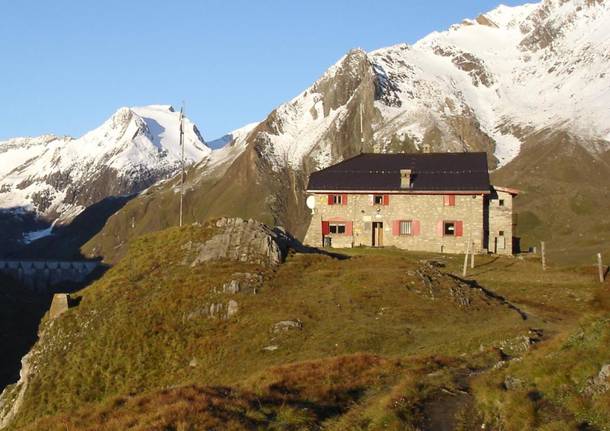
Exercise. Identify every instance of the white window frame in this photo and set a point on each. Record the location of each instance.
(337, 227)
(405, 227)
(337, 199)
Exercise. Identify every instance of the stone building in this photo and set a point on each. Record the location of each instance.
(437, 202)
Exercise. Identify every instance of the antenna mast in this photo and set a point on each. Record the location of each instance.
(361, 132)
(181, 163)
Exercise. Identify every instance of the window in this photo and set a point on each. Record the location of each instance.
(449, 228)
(501, 202)
(405, 227)
(449, 200)
(335, 199)
(380, 199)
(337, 228)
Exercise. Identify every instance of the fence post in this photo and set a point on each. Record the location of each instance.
(466, 259)
(542, 252)
(600, 267)
(472, 257)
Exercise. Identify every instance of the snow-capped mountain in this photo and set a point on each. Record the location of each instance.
(57, 177)
(484, 84)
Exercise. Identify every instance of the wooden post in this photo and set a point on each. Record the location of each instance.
(542, 253)
(466, 260)
(600, 267)
(472, 257)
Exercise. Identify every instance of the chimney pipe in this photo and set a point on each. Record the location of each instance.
(405, 178)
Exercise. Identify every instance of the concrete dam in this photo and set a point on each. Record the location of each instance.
(44, 275)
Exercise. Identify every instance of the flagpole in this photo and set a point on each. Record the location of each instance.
(361, 132)
(181, 163)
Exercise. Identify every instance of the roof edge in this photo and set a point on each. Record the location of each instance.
(510, 190)
(402, 192)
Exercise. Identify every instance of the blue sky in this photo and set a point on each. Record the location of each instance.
(66, 66)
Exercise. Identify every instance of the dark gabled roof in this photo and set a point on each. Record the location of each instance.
(381, 172)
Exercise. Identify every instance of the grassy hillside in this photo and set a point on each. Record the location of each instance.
(377, 341)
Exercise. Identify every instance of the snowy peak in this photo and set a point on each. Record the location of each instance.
(482, 85)
(512, 70)
(59, 177)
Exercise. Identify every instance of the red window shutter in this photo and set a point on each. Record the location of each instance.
(349, 228)
(415, 227)
(372, 199)
(439, 228)
(451, 200)
(330, 199)
(344, 199)
(386, 199)
(396, 227)
(325, 228)
(459, 228)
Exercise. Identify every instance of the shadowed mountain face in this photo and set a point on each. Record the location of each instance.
(65, 241)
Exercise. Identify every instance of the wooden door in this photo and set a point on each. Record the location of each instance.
(377, 234)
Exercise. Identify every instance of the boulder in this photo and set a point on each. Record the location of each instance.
(245, 241)
(286, 325)
(232, 308)
(599, 384)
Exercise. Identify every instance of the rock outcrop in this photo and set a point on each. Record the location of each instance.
(245, 241)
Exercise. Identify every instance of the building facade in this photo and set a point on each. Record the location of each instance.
(428, 202)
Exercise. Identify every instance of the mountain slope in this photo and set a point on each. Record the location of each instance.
(499, 83)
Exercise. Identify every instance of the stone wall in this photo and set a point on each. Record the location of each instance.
(500, 222)
(429, 210)
(43, 275)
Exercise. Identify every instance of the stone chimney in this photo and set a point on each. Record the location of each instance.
(405, 178)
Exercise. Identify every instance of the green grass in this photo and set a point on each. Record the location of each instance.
(375, 349)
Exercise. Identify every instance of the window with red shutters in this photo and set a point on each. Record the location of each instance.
(337, 199)
(449, 200)
(405, 227)
(453, 228)
(449, 228)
